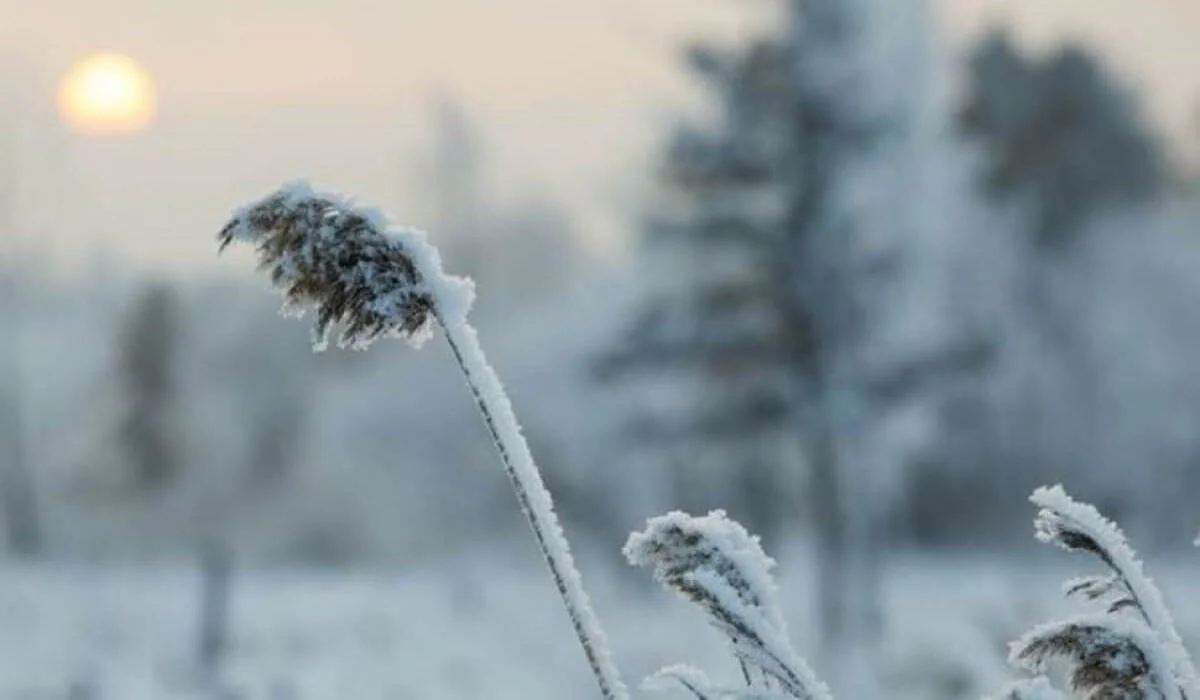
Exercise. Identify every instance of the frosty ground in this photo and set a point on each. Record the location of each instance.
(482, 626)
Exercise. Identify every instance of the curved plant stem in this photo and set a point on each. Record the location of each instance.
(535, 501)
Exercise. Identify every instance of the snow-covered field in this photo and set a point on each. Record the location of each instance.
(479, 629)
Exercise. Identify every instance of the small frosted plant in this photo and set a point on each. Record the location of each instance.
(367, 280)
(713, 562)
(1130, 648)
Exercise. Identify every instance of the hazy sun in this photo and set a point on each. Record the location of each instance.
(107, 93)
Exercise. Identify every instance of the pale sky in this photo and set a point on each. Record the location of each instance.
(572, 97)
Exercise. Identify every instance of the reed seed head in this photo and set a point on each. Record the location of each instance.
(1107, 658)
(361, 275)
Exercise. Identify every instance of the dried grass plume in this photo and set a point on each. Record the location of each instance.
(1107, 657)
(361, 274)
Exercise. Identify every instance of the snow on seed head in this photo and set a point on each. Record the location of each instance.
(361, 275)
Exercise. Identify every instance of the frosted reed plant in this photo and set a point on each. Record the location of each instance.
(713, 562)
(1128, 650)
(1128, 647)
(367, 279)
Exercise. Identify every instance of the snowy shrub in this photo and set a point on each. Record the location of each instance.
(367, 280)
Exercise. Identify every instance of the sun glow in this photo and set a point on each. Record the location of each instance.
(107, 94)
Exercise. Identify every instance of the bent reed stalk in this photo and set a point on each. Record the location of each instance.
(371, 280)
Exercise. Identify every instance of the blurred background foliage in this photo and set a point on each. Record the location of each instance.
(846, 291)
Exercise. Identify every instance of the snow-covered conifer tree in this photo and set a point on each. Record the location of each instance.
(790, 222)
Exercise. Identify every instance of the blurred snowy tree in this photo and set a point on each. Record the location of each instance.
(18, 492)
(1059, 132)
(786, 266)
(717, 306)
(148, 357)
(1066, 159)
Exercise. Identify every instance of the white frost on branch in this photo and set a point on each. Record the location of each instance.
(1092, 587)
(534, 499)
(690, 677)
